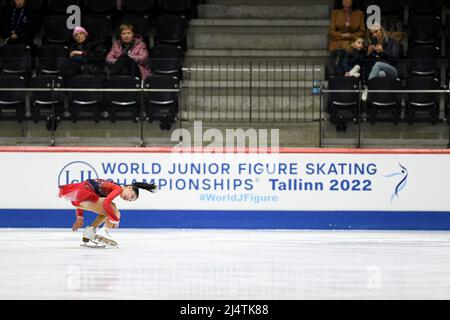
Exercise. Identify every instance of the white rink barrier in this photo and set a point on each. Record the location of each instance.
(294, 188)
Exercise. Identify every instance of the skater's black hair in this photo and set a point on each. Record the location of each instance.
(142, 185)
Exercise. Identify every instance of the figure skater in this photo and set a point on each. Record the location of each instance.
(96, 195)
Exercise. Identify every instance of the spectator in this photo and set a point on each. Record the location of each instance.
(83, 56)
(384, 53)
(355, 58)
(129, 54)
(346, 24)
(18, 25)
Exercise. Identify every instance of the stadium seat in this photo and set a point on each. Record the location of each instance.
(162, 106)
(49, 59)
(342, 104)
(138, 6)
(127, 103)
(15, 59)
(425, 7)
(422, 102)
(85, 101)
(99, 27)
(12, 103)
(101, 6)
(424, 61)
(166, 59)
(172, 30)
(60, 6)
(425, 30)
(46, 105)
(55, 30)
(390, 8)
(384, 101)
(178, 7)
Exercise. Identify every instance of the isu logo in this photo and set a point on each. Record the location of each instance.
(76, 171)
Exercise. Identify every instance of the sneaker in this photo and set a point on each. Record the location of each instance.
(354, 71)
(356, 75)
(364, 95)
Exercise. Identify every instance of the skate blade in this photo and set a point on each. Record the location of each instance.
(108, 242)
(93, 245)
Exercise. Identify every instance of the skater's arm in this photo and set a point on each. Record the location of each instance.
(116, 191)
(80, 218)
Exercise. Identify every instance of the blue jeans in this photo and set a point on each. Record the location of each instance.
(382, 69)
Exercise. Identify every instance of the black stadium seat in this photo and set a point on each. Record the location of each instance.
(162, 106)
(101, 6)
(425, 7)
(166, 59)
(424, 61)
(171, 29)
(384, 101)
(138, 6)
(60, 6)
(15, 59)
(341, 104)
(12, 103)
(99, 27)
(44, 103)
(124, 105)
(49, 59)
(55, 30)
(425, 30)
(85, 101)
(422, 102)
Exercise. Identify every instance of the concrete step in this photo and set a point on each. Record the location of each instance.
(301, 11)
(246, 117)
(194, 54)
(269, 2)
(258, 71)
(260, 25)
(258, 41)
(266, 85)
(296, 106)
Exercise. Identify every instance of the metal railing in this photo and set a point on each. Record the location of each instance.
(250, 91)
(53, 117)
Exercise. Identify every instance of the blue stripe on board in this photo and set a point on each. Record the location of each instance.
(321, 220)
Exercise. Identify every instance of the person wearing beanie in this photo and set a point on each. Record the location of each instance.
(83, 55)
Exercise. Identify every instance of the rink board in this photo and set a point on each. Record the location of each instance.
(236, 189)
(317, 220)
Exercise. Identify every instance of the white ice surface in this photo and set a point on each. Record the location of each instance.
(221, 264)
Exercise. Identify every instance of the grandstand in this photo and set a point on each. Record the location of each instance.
(228, 63)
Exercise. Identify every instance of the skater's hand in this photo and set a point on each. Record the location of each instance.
(78, 223)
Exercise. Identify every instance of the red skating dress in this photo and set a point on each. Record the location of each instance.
(91, 190)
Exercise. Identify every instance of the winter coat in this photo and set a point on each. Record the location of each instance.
(356, 28)
(353, 58)
(138, 53)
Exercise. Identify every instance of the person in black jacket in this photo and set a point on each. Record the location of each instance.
(355, 58)
(84, 56)
(383, 54)
(17, 27)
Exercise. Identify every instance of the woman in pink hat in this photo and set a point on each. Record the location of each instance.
(129, 54)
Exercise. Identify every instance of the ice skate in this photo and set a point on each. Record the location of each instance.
(103, 237)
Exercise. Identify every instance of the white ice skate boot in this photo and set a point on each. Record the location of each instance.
(89, 234)
(89, 238)
(104, 237)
